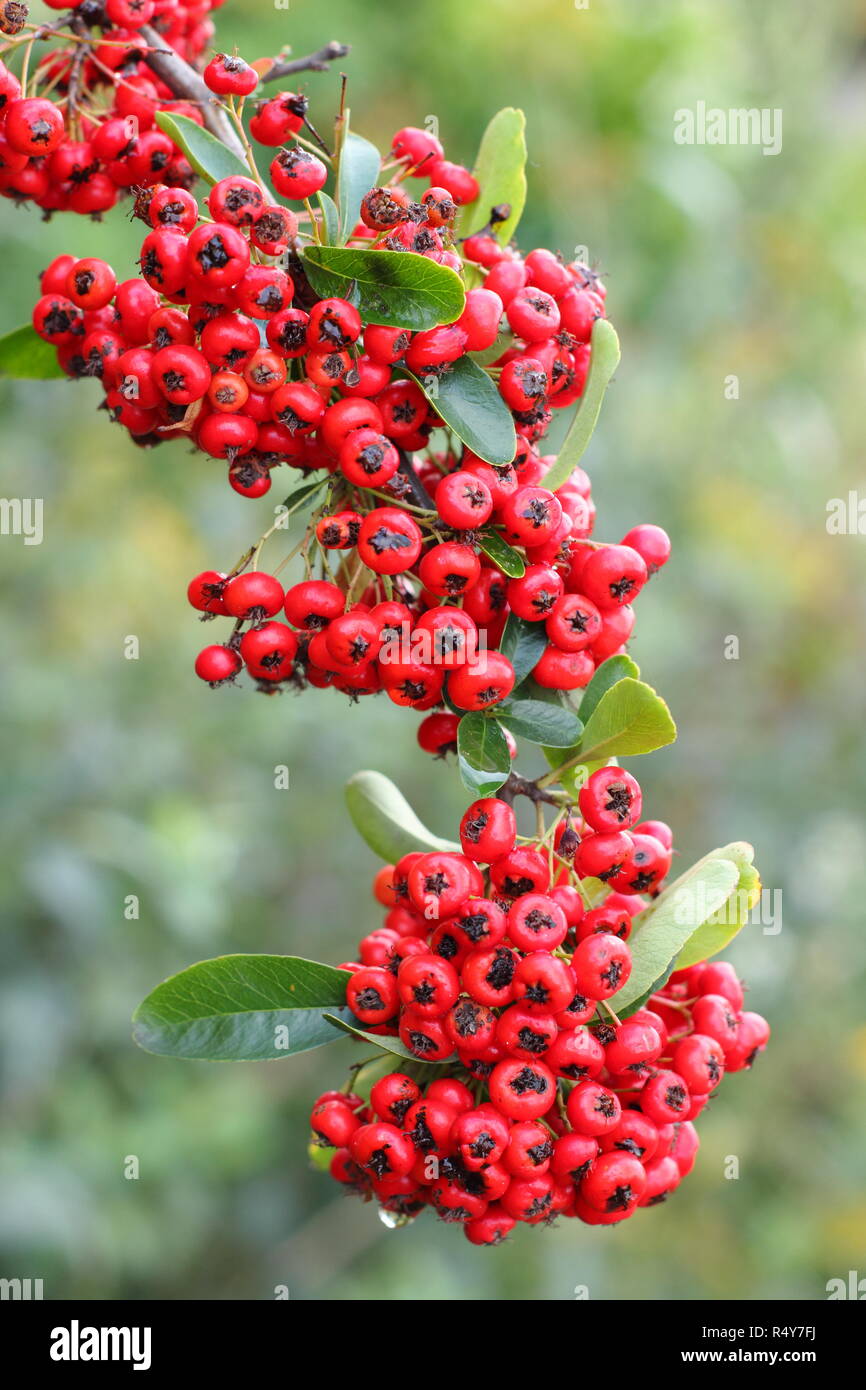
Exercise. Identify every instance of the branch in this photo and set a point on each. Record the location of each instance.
(521, 786)
(420, 495)
(314, 62)
(184, 81)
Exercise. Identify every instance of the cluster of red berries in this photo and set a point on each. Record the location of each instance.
(545, 1103)
(84, 132)
(222, 339)
(426, 642)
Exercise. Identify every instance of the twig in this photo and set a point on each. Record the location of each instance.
(420, 494)
(522, 786)
(314, 62)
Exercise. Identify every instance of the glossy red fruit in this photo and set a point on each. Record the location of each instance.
(488, 829)
(253, 596)
(217, 664)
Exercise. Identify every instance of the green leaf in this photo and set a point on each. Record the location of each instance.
(241, 1009)
(523, 643)
(501, 172)
(302, 494)
(503, 555)
(661, 932)
(385, 820)
(397, 288)
(630, 718)
(331, 217)
(381, 1040)
(541, 722)
(643, 1001)
(616, 668)
(488, 356)
(602, 365)
(482, 754)
(208, 156)
(717, 932)
(27, 357)
(469, 402)
(358, 172)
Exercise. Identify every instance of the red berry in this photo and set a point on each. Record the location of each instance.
(601, 965)
(253, 596)
(297, 174)
(389, 540)
(33, 125)
(574, 624)
(533, 314)
(372, 995)
(616, 1182)
(522, 1090)
(536, 923)
(463, 500)
(610, 799)
(485, 683)
(229, 75)
(665, 1098)
(651, 543)
(269, 651)
(368, 458)
(535, 595)
(381, 1150)
(593, 1109)
(217, 664)
(612, 576)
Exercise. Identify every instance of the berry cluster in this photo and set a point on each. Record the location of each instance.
(222, 340)
(544, 1103)
(82, 132)
(425, 644)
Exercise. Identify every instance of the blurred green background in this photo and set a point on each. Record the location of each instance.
(128, 777)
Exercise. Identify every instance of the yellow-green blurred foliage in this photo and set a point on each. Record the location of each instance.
(128, 777)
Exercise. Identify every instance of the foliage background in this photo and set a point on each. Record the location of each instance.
(129, 777)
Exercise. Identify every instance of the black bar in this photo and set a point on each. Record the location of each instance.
(251, 1338)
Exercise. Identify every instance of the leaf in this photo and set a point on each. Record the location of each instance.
(302, 494)
(358, 172)
(331, 218)
(503, 555)
(208, 156)
(27, 357)
(486, 358)
(608, 673)
(541, 722)
(643, 1001)
(385, 820)
(661, 932)
(469, 402)
(383, 1041)
(616, 668)
(630, 718)
(714, 935)
(398, 288)
(500, 169)
(602, 365)
(482, 754)
(523, 643)
(229, 1009)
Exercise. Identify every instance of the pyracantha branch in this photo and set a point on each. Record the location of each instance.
(314, 62)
